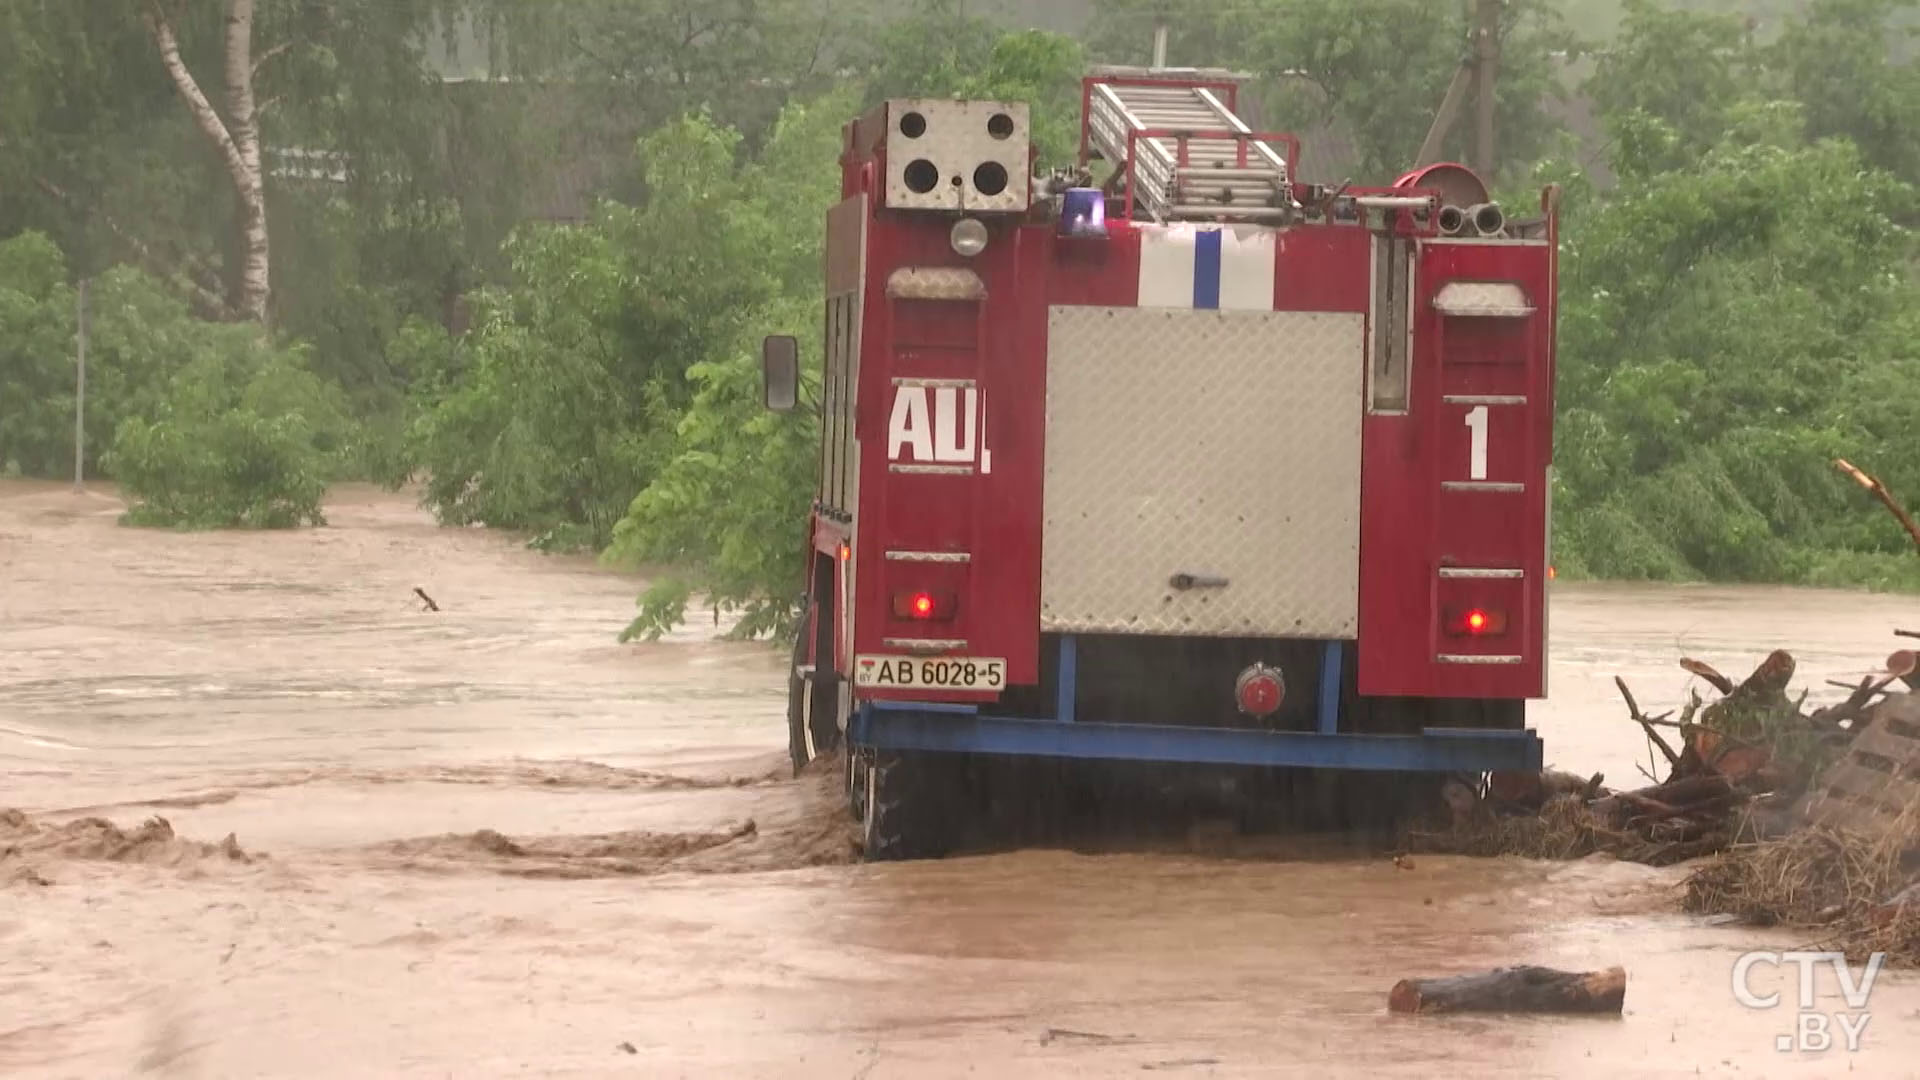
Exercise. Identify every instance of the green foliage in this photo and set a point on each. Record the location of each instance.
(727, 512)
(571, 384)
(1199, 34)
(36, 358)
(1738, 313)
(940, 51)
(1325, 59)
(1666, 83)
(246, 437)
(144, 350)
(1851, 63)
(209, 424)
(1373, 70)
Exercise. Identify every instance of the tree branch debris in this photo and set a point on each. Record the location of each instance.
(1790, 803)
(1879, 491)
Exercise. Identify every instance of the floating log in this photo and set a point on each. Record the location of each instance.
(1515, 989)
(1904, 664)
(422, 594)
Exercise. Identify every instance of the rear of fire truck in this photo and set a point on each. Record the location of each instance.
(1196, 465)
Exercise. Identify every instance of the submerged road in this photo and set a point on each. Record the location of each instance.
(492, 841)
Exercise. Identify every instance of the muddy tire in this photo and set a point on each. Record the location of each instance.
(908, 805)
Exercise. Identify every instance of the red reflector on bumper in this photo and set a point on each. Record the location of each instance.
(1259, 690)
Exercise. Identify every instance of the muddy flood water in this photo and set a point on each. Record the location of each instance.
(493, 841)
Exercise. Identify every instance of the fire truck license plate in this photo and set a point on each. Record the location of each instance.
(932, 672)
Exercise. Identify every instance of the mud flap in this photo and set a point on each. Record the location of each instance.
(797, 694)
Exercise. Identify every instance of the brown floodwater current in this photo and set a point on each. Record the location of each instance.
(491, 840)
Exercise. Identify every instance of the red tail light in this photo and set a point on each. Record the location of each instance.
(1477, 622)
(923, 606)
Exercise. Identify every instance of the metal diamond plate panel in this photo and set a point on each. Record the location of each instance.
(1219, 445)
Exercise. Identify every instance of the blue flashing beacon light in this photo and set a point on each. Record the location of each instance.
(1083, 212)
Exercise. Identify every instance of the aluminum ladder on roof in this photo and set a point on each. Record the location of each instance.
(1192, 157)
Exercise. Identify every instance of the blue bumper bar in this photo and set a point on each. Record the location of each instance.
(959, 729)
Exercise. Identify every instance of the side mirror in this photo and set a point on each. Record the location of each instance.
(780, 372)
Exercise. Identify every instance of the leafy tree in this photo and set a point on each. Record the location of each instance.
(1851, 63)
(1665, 85)
(382, 216)
(727, 513)
(941, 51)
(89, 138)
(141, 337)
(375, 211)
(1199, 33)
(1727, 329)
(573, 381)
(1381, 67)
(242, 436)
(233, 131)
(36, 351)
(1375, 69)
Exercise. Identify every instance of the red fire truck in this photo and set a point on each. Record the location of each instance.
(1199, 464)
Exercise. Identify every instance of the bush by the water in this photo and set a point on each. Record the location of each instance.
(203, 424)
(235, 468)
(139, 335)
(246, 437)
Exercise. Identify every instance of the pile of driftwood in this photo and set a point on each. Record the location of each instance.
(1812, 819)
(1739, 768)
(1850, 863)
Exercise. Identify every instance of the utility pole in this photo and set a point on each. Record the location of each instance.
(1477, 73)
(80, 392)
(1486, 50)
(1160, 44)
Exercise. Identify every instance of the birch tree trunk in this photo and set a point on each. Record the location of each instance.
(236, 139)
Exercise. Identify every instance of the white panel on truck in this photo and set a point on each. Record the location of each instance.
(1219, 448)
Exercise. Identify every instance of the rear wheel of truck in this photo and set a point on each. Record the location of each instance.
(907, 805)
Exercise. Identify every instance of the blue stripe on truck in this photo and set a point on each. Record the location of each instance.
(1206, 269)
